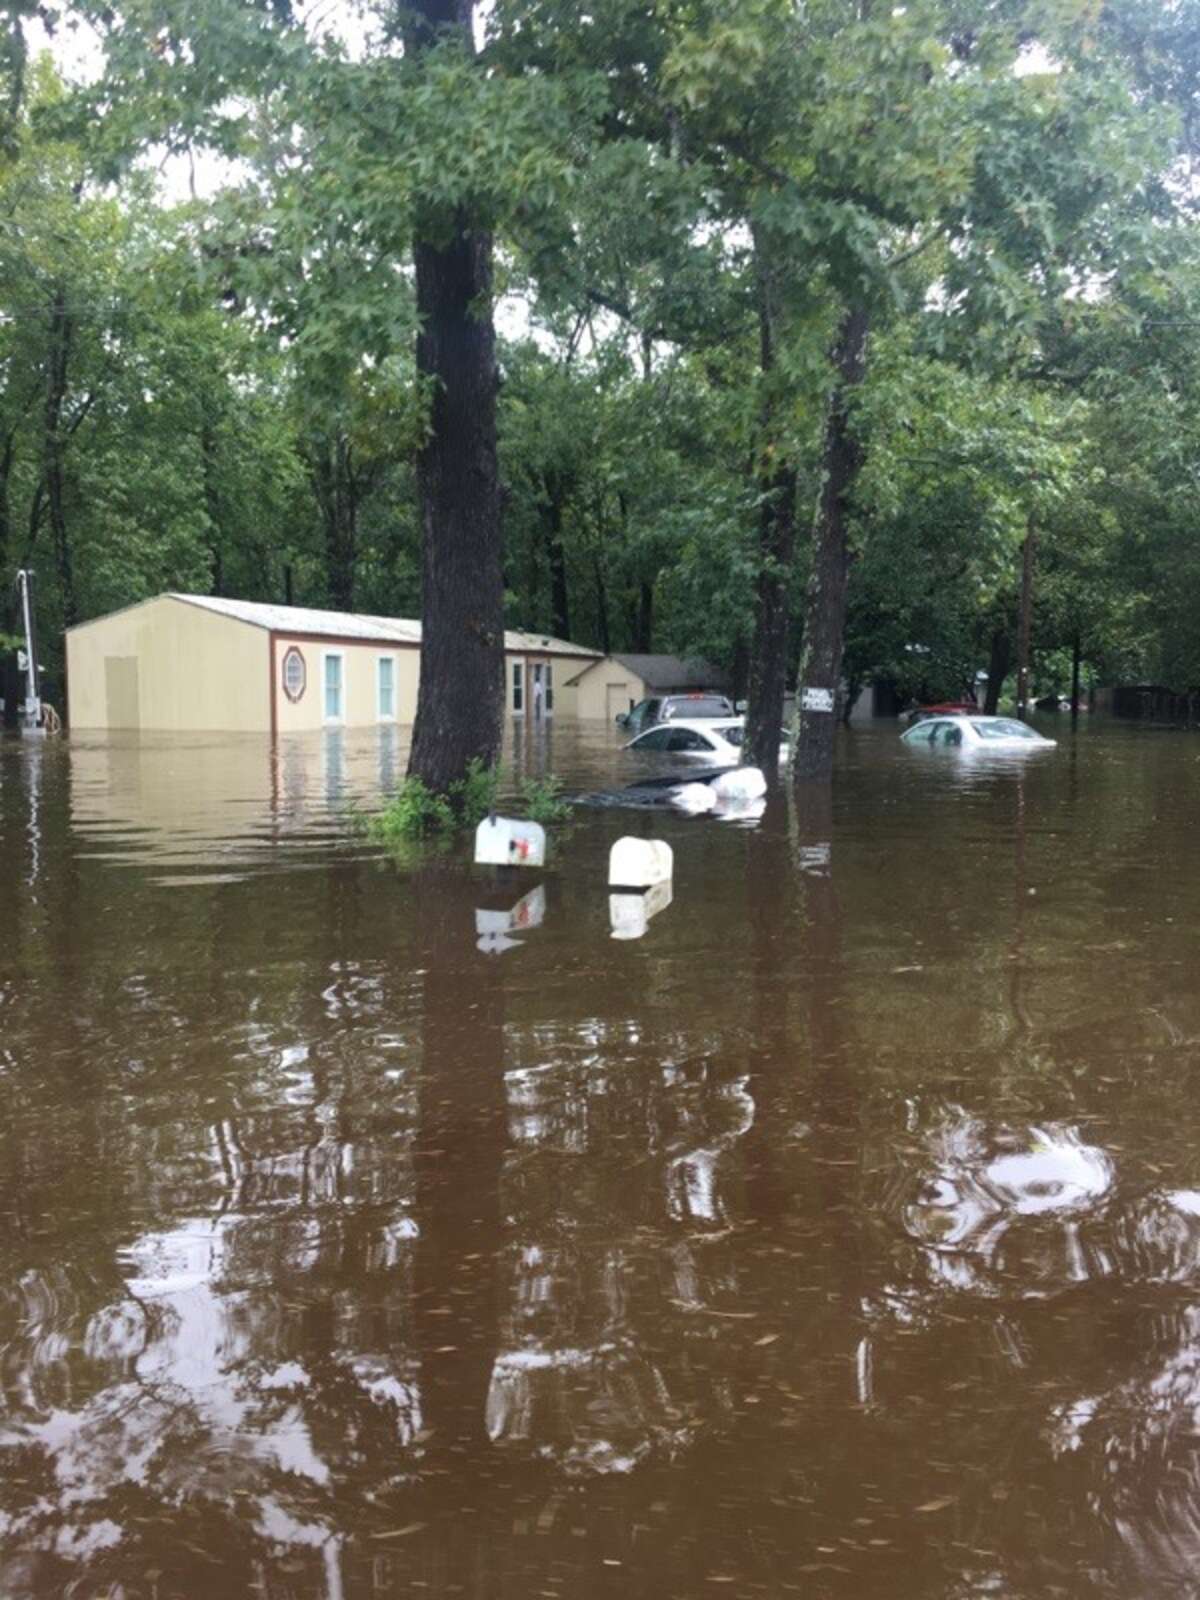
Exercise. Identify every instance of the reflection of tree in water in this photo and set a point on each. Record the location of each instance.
(622, 1197)
(996, 1207)
(233, 1372)
(1097, 1359)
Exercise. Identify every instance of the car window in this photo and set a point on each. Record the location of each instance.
(656, 739)
(949, 733)
(1005, 728)
(689, 739)
(698, 705)
(922, 733)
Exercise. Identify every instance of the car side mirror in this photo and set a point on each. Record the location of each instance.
(622, 719)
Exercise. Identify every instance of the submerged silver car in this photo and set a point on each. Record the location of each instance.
(976, 733)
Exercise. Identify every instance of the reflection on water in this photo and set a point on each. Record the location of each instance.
(832, 1227)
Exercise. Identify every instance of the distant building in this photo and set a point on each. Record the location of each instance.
(194, 663)
(609, 685)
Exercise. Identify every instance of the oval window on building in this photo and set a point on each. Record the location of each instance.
(295, 674)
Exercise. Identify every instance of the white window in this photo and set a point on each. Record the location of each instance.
(386, 684)
(335, 687)
(549, 689)
(518, 688)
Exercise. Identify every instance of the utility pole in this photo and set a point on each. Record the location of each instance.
(1026, 623)
(31, 720)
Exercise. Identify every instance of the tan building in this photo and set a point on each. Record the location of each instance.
(608, 685)
(192, 663)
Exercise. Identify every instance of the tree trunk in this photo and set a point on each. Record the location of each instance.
(6, 467)
(825, 616)
(644, 622)
(460, 701)
(776, 547)
(212, 505)
(1076, 657)
(54, 450)
(331, 467)
(999, 661)
(1025, 632)
(556, 558)
(602, 606)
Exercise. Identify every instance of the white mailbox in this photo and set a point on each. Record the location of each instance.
(510, 842)
(640, 863)
(630, 913)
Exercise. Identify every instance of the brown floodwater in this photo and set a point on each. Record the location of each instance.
(375, 1228)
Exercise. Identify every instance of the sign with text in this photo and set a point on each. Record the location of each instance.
(816, 700)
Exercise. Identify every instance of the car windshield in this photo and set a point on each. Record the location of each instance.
(1004, 728)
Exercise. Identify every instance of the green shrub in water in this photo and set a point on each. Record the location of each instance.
(541, 799)
(413, 812)
(416, 812)
(475, 795)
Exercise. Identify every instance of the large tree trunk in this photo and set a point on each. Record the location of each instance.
(776, 547)
(460, 702)
(999, 661)
(54, 450)
(825, 615)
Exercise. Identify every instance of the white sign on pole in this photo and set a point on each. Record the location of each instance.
(816, 700)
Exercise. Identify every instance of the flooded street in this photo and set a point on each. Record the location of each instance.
(840, 1236)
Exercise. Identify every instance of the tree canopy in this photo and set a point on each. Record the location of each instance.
(800, 319)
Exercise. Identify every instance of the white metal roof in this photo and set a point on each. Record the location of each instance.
(352, 625)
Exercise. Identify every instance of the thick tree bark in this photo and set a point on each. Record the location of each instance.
(460, 702)
(1025, 632)
(54, 445)
(825, 614)
(776, 547)
(999, 661)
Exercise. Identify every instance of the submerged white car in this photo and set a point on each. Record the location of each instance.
(709, 739)
(976, 733)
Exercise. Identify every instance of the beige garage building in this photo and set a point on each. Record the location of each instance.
(191, 663)
(608, 685)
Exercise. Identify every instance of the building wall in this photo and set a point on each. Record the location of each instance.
(601, 688)
(566, 697)
(170, 667)
(360, 682)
